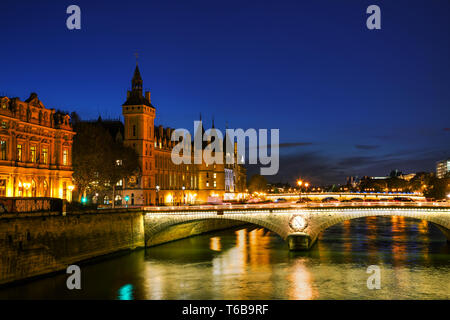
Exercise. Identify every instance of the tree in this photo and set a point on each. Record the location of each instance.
(257, 183)
(99, 161)
(376, 185)
(397, 184)
(438, 188)
(122, 162)
(420, 181)
(90, 148)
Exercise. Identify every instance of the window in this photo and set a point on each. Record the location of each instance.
(3, 187)
(65, 158)
(4, 125)
(44, 155)
(134, 130)
(2, 150)
(215, 175)
(19, 152)
(207, 183)
(215, 184)
(33, 154)
(119, 183)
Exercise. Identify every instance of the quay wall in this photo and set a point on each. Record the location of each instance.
(35, 244)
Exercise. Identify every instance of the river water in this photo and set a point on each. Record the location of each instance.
(253, 263)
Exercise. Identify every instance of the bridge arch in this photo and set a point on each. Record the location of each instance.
(300, 226)
(320, 220)
(182, 226)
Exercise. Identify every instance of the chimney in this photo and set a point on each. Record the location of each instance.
(147, 96)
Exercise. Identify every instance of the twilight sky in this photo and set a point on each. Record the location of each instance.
(347, 100)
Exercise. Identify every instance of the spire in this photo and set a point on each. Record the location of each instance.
(213, 122)
(136, 82)
(135, 96)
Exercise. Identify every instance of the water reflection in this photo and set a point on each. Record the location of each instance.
(253, 263)
(214, 244)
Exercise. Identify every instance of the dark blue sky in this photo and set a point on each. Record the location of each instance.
(347, 100)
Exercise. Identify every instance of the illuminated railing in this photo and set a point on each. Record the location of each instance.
(252, 208)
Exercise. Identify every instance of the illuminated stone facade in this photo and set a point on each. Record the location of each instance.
(35, 150)
(160, 180)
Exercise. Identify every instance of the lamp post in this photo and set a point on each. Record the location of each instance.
(157, 194)
(126, 200)
(183, 187)
(299, 183)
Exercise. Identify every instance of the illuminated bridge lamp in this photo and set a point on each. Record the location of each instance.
(83, 200)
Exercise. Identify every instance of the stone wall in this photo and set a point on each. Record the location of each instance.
(35, 244)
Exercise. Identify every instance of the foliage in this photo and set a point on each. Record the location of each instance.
(257, 183)
(95, 155)
(438, 188)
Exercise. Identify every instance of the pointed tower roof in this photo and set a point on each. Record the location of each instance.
(137, 74)
(135, 96)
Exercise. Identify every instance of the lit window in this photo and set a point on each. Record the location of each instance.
(3, 150)
(207, 183)
(44, 155)
(19, 152)
(215, 184)
(215, 175)
(65, 158)
(33, 154)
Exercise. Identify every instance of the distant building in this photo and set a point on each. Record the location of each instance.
(160, 181)
(35, 150)
(407, 177)
(442, 167)
(353, 181)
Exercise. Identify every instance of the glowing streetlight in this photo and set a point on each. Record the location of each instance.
(306, 184)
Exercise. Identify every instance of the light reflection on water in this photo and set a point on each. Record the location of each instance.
(252, 263)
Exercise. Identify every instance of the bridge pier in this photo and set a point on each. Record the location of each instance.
(299, 241)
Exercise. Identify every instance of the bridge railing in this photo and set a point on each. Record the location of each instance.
(297, 205)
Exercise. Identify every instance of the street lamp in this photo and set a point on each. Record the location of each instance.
(126, 199)
(183, 188)
(157, 194)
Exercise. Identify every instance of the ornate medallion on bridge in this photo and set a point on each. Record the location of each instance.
(298, 223)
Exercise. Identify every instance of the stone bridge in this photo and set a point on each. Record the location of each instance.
(299, 225)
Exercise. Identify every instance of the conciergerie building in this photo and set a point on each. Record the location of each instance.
(160, 181)
(35, 150)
